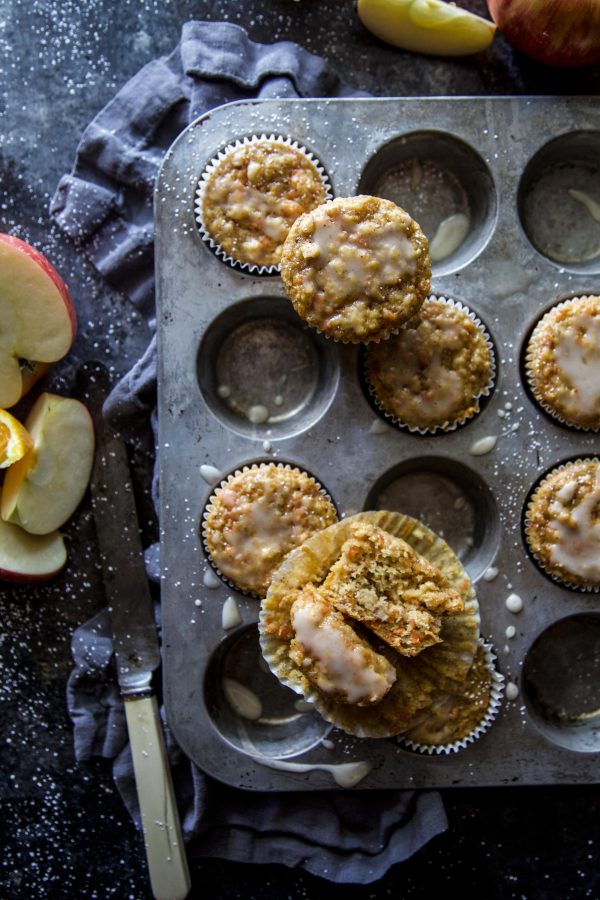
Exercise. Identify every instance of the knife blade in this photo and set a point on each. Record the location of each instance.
(136, 646)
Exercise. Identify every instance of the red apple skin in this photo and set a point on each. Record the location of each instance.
(563, 33)
(49, 269)
(20, 578)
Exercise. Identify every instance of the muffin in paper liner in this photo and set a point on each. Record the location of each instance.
(431, 376)
(250, 194)
(456, 717)
(562, 524)
(283, 502)
(562, 362)
(417, 677)
(356, 268)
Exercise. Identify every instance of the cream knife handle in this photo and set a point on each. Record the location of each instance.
(165, 852)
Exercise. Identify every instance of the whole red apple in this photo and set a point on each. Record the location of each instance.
(556, 32)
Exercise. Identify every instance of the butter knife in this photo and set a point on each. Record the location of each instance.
(136, 647)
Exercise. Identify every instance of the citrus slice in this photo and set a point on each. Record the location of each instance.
(427, 26)
(14, 440)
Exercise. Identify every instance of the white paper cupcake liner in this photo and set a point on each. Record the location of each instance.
(249, 268)
(563, 582)
(494, 704)
(448, 425)
(529, 363)
(227, 480)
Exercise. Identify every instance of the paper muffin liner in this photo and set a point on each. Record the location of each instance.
(419, 676)
(448, 425)
(227, 480)
(249, 268)
(574, 584)
(434, 716)
(529, 363)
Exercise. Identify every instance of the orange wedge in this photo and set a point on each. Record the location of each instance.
(14, 440)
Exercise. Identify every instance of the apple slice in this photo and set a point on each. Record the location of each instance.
(44, 488)
(14, 440)
(427, 26)
(30, 557)
(37, 317)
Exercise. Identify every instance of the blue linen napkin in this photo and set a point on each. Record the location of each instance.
(105, 205)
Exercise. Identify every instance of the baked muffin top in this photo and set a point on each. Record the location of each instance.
(251, 195)
(433, 372)
(563, 362)
(356, 268)
(563, 523)
(257, 516)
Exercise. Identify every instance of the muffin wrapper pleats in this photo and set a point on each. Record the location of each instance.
(418, 677)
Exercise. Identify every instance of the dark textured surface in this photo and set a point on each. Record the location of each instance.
(63, 829)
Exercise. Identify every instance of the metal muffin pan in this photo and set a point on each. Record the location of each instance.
(218, 326)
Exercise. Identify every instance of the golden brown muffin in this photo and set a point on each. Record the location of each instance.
(562, 524)
(562, 362)
(461, 713)
(257, 516)
(380, 581)
(433, 373)
(252, 193)
(356, 268)
(333, 656)
(301, 580)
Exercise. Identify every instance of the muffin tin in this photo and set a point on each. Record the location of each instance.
(223, 332)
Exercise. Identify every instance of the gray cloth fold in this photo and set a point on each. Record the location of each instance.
(105, 205)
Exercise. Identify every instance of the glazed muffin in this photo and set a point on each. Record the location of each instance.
(333, 656)
(380, 581)
(250, 195)
(562, 524)
(367, 619)
(433, 373)
(458, 716)
(562, 362)
(356, 268)
(258, 515)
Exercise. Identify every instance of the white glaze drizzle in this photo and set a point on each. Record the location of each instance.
(577, 353)
(344, 666)
(511, 691)
(351, 255)
(210, 473)
(514, 603)
(230, 614)
(346, 775)
(242, 700)
(449, 236)
(377, 426)
(257, 414)
(578, 546)
(592, 206)
(490, 573)
(483, 445)
(210, 580)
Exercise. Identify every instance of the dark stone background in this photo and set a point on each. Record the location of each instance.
(63, 830)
